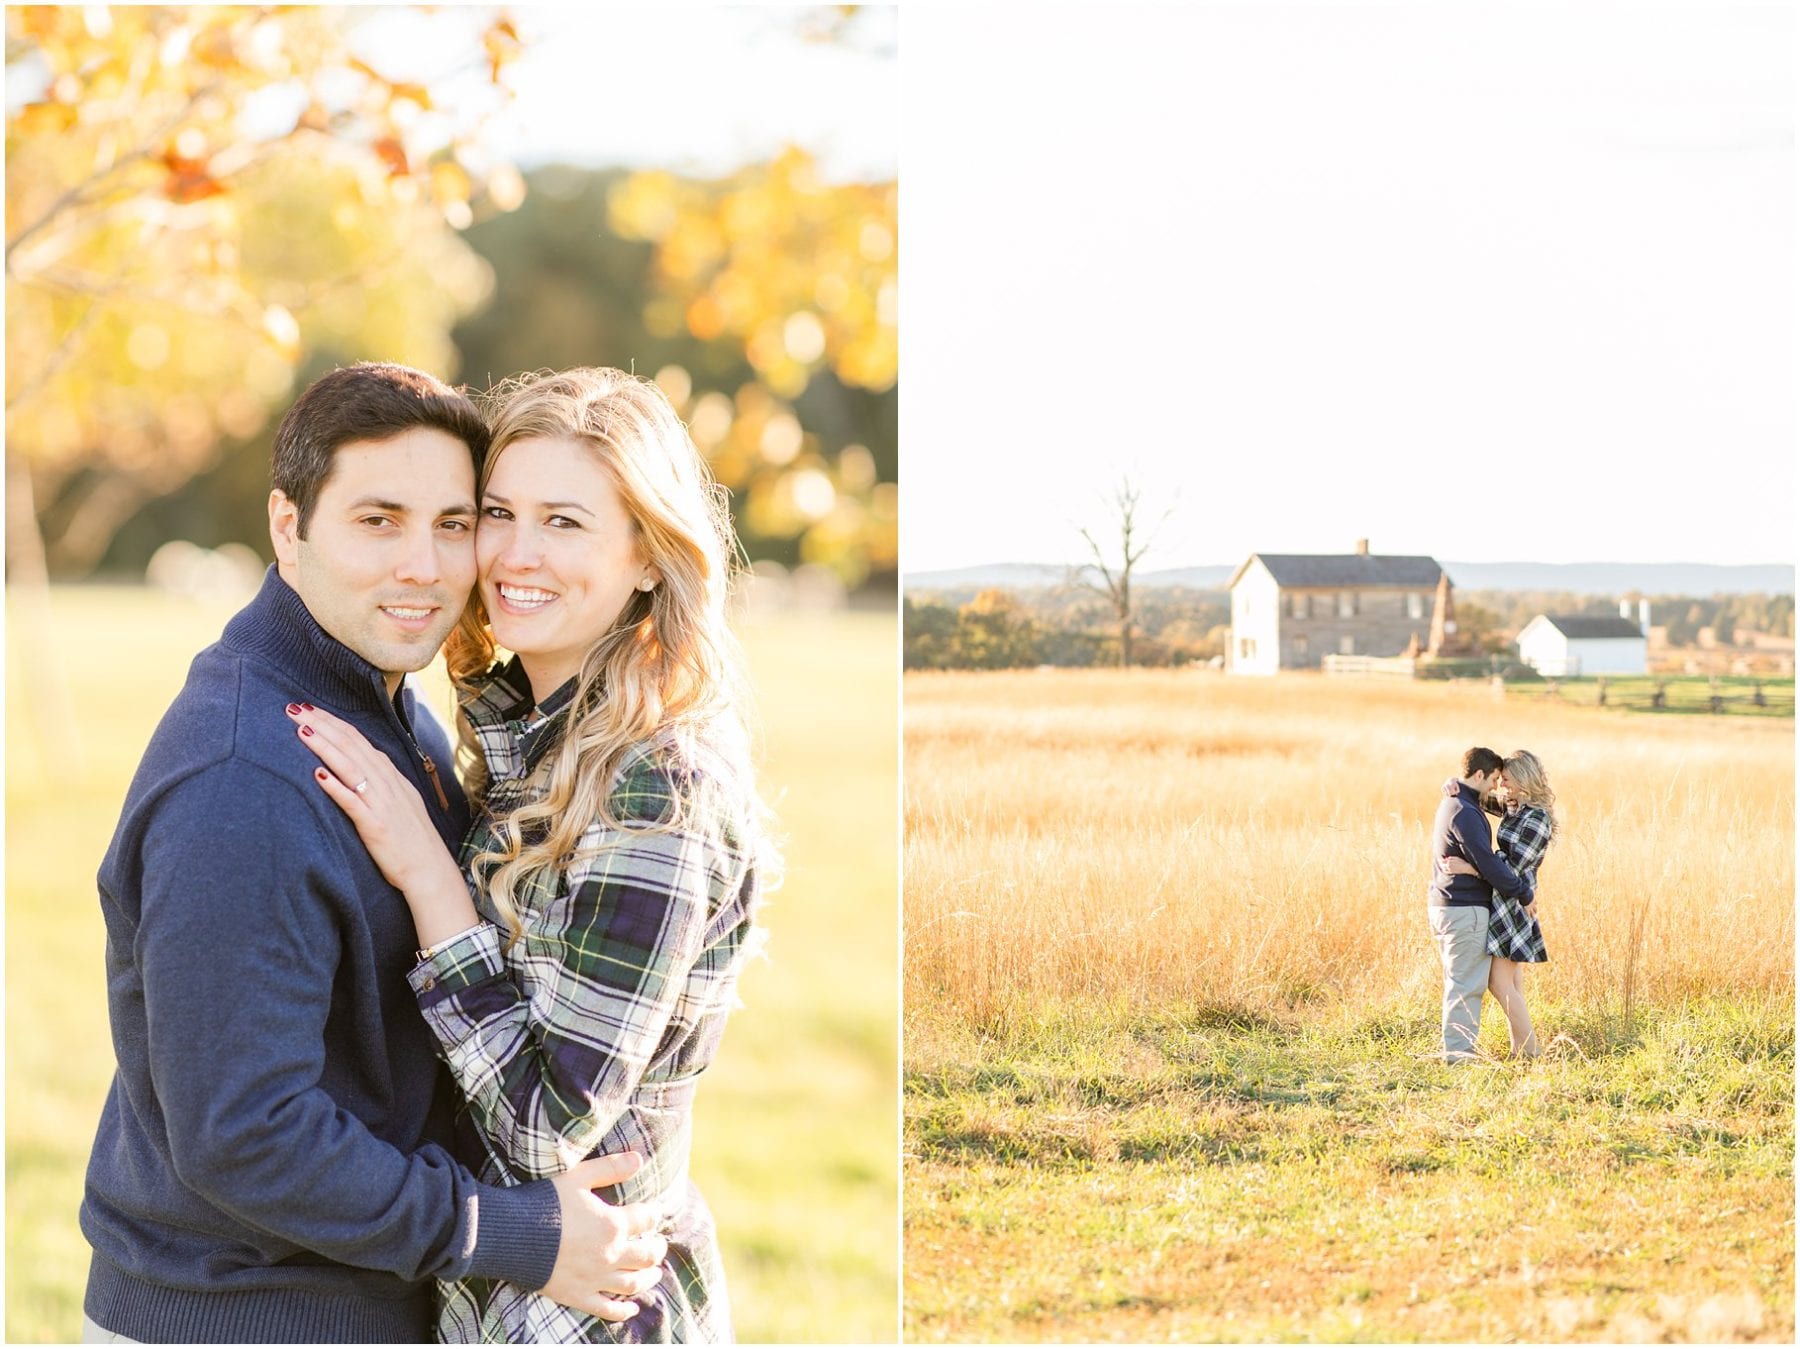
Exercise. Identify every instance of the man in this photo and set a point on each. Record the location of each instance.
(270, 1163)
(1461, 906)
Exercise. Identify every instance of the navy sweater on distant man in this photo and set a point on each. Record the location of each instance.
(1461, 830)
(270, 1163)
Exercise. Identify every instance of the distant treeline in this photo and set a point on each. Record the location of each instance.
(997, 629)
(1683, 615)
(1067, 625)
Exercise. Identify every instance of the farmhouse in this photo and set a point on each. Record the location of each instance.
(1290, 610)
(1562, 646)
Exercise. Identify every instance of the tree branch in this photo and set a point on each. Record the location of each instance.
(65, 348)
(75, 194)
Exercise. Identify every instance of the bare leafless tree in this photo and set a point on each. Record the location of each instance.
(1125, 511)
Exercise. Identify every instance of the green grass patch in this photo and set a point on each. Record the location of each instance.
(1101, 1174)
(1682, 694)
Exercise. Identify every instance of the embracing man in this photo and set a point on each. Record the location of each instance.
(272, 1162)
(1461, 906)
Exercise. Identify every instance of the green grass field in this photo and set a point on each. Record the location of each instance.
(1192, 1176)
(797, 1137)
(1682, 694)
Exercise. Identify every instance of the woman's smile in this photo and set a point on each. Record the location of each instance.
(519, 599)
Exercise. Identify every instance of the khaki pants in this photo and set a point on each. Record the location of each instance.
(1461, 933)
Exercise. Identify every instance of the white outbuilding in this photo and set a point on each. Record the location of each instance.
(1563, 647)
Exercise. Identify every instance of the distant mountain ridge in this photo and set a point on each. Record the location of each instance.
(1581, 578)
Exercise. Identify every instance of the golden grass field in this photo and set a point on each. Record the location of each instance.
(1172, 1007)
(1251, 842)
(796, 1133)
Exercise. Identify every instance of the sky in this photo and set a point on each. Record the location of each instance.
(1486, 282)
(700, 89)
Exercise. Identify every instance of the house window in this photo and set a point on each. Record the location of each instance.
(1300, 647)
(1346, 645)
(1246, 648)
(1297, 605)
(1415, 606)
(1346, 604)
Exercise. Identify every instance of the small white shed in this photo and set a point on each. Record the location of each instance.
(1561, 647)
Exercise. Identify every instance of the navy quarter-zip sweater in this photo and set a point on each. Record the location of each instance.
(271, 1162)
(1461, 830)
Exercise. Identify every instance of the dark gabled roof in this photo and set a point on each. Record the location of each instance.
(1577, 627)
(1362, 570)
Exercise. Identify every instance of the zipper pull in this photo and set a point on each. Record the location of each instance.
(432, 773)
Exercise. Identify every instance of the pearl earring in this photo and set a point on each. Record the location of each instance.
(646, 584)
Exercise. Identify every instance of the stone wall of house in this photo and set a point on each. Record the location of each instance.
(1383, 623)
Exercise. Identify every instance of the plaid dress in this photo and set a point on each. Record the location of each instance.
(587, 1037)
(1523, 837)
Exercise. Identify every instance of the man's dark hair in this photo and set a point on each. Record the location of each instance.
(367, 401)
(1478, 761)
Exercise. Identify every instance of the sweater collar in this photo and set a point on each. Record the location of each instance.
(278, 627)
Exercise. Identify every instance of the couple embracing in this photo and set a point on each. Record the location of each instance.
(1483, 897)
(377, 1050)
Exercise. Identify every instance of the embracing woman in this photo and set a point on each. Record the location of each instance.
(1528, 824)
(615, 860)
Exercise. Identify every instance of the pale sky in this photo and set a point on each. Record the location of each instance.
(1485, 282)
(692, 88)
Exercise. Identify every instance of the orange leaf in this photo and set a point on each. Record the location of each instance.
(392, 154)
(183, 188)
(178, 163)
(501, 41)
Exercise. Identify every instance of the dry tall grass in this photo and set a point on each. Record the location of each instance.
(1149, 838)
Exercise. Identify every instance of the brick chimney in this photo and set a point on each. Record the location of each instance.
(1362, 547)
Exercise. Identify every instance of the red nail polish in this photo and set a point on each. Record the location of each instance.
(319, 773)
(292, 708)
(308, 707)
(306, 730)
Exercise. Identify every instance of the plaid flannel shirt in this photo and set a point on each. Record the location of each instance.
(587, 1037)
(1522, 838)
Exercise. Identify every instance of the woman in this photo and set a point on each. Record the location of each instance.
(614, 860)
(1514, 938)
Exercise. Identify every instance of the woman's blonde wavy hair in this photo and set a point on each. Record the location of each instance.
(668, 672)
(1533, 784)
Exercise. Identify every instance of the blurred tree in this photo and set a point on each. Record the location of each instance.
(800, 277)
(1071, 647)
(994, 632)
(196, 197)
(803, 274)
(1724, 620)
(1481, 626)
(928, 635)
(1188, 639)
